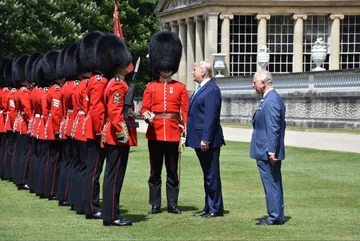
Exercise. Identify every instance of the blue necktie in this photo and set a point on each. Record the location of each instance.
(197, 89)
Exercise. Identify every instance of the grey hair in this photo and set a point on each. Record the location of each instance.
(206, 67)
(264, 76)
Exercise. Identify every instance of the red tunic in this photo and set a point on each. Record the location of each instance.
(24, 110)
(12, 114)
(80, 103)
(3, 108)
(42, 105)
(37, 94)
(95, 118)
(68, 111)
(169, 101)
(54, 107)
(114, 99)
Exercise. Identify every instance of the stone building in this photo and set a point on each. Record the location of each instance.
(238, 28)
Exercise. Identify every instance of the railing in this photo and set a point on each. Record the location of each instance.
(324, 81)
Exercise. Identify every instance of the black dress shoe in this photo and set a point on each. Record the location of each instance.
(42, 196)
(97, 215)
(174, 210)
(118, 222)
(212, 215)
(200, 214)
(32, 191)
(268, 222)
(64, 203)
(154, 210)
(23, 187)
(52, 198)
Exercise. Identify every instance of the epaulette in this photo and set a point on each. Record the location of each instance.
(151, 82)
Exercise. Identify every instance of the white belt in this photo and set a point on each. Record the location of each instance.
(21, 112)
(70, 111)
(37, 115)
(1, 111)
(49, 114)
(81, 112)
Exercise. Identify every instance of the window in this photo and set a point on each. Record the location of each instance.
(243, 45)
(350, 42)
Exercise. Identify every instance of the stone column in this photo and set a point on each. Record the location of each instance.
(190, 56)
(298, 42)
(175, 29)
(211, 30)
(335, 41)
(182, 66)
(225, 40)
(165, 26)
(262, 34)
(199, 38)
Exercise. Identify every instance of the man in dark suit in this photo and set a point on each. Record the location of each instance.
(205, 135)
(267, 145)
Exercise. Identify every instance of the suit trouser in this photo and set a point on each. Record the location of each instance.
(32, 162)
(23, 152)
(272, 182)
(78, 178)
(10, 154)
(52, 169)
(94, 167)
(65, 168)
(210, 165)
(116, 163)
(3, 150)
(157, 151)
(43, 162)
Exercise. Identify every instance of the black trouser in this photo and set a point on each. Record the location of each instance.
(116, 162)
(23, 153)
(10, 154)
(52, 169)
(3, 150)
(78, 178)
(157, 151)
(16, 157)
(94, 167)
(43, 161)
(65, 168)
(32, 162)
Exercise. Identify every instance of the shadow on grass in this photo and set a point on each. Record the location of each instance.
(286, 218)
(136, 218)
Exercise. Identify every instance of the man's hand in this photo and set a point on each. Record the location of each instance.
(273, 159)
(148, 116)
(204, 145)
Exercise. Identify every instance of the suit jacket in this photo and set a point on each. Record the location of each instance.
(269, 128)
(203, 121)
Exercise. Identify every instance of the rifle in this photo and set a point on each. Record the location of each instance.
(129, 99)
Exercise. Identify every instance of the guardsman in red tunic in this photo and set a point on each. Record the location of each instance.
(113, 58)
(71, 150)
(52, 125)
(4, 91)
(31, 76)
(93, 123)
(164, 108)
(10, 119)
(21, 124)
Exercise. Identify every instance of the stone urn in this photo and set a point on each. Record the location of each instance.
(219, 64)
(263, 57)
(318, 54)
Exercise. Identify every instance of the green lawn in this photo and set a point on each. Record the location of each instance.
(321, 189)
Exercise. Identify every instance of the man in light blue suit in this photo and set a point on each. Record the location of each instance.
(205, 135)
(267, 145)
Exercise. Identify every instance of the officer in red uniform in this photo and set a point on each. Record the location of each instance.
(52, 125)
(113, 58)
(10, 119)
(4, 91)
(93, 123)
(22, 120)
(31, 76)
(164, 108)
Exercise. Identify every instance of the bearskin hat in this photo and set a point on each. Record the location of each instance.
(39, 73)
(34, 76)
(111, 53)
(19, 70)
(60, 63)
(49, 66)
(69, 71)
(165, 51)
(3, 63)
(29, 66)
(8, 73)
(86, 52)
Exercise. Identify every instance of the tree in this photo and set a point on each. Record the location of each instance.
(43, 25)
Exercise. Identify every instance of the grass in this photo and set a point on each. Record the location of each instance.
(321, 190)
(297, 128)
